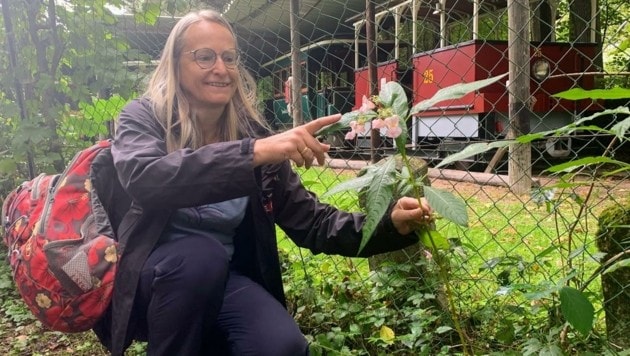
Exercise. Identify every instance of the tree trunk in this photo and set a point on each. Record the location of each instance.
(612, 233)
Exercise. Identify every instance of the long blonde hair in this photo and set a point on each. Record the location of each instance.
(171, 106)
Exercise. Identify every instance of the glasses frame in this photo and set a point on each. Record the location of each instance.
(216, 56)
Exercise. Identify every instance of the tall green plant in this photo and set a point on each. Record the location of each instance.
(389, 111)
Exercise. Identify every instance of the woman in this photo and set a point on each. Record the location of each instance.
(199, 272)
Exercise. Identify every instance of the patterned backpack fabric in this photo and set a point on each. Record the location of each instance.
(61, 246)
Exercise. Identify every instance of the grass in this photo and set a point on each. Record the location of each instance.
(514, 257)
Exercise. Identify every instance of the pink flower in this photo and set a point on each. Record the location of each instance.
(356, 127)
(378, 124)
(389, 127)
(366, 105)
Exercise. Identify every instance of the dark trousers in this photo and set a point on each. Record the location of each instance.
(190, 302)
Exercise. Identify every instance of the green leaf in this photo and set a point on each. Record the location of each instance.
(617, 265)
(393, 95)
(577, 309)
(455, 91)
(378, 197)
(471, 150)
(615, 172)
(387, 335)
(443, 329)
(541, 294)
(580, 94)
(447, 205)
(579, 163)
(7, 166)
(149, 16)
(621, 128)
(351, 184)
(432, 239)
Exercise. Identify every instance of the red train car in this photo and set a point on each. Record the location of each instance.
(484, 115)
(388, 71)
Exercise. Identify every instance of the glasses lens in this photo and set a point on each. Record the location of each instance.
(230, 58)
(205, 57)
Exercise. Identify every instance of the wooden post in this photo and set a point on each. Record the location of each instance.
(519, 164)
(370, 34)
(613, 231)
(296, 67)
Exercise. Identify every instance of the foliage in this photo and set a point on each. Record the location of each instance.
(382, 181)
(382, 314)
(574, 304)
(63, 64)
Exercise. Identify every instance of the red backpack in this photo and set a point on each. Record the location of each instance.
(61, 247)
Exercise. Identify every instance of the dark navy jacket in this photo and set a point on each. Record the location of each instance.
(152, 183)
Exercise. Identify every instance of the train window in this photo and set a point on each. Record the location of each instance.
(459, 31)
(279, 78)
(428, 36)
(492, 26)
(265, 88)
(344, 79)
(324, 80)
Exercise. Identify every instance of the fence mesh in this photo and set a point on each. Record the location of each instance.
(524, 276)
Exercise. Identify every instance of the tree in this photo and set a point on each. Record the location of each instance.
(67, 53)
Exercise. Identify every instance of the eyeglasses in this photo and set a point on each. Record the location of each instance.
(206, 58)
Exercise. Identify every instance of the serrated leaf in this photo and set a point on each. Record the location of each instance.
(471, 150)
(351, 184)
(432, 240)
(617, 171)
(393, 95)
(455, 91)
(491, 263)
(447, 205)
(617, 265)
(378, 197)
(577, 309)
(541, 294)
(579, 163)
(443, 329)
(580, 94)
(621, 128)
(387, 335)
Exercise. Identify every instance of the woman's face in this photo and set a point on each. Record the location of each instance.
(214, 86)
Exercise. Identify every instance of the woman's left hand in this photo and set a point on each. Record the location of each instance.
(409, 214)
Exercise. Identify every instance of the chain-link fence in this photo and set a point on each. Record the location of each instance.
(542, 265)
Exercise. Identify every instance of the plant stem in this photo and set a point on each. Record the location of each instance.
(441, 262)
(443, 275)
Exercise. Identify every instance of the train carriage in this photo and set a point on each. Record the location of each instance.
(328, 77)
(484, 115)
(429, 45)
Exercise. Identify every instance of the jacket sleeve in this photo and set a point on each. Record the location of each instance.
(155, 178)
(325, 229)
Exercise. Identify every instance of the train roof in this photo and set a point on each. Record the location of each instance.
(263, 25)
